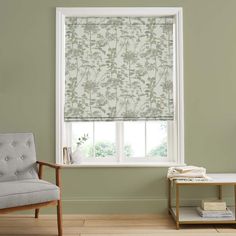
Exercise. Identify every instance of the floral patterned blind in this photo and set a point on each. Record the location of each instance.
(119, 68)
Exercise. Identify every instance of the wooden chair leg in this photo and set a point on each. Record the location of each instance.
(59, 218)
(36, 213)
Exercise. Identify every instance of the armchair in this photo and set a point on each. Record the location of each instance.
(21, 184)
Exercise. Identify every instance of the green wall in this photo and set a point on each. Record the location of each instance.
(27, 100)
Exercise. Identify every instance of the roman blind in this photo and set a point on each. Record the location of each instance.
(119, 68)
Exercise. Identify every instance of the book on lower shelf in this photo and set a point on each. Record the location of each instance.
(214, 214)
(213, 205)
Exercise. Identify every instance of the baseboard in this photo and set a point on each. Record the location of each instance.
(104, 205)
(128, 205)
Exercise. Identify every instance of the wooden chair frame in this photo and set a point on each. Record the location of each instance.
(44, 204)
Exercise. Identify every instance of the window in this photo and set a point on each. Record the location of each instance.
(120, 86)
(122, 142)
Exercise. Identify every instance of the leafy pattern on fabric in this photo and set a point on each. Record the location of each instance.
(119, 68)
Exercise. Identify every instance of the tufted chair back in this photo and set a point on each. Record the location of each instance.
(17, 157)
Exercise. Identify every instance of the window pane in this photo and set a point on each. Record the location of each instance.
(134, 139)
(79, 131)
(105, 139)
(156, 138)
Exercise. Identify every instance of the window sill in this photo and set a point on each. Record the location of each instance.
(153, 164)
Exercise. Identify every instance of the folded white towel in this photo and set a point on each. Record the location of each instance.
(185, 169)
(186, 172)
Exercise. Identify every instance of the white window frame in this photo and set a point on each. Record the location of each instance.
(177, 132)
(119, 140)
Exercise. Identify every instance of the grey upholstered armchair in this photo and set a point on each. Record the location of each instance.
(21, 186)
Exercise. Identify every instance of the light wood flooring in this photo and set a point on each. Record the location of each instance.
(106, 225)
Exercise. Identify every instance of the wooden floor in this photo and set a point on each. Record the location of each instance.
(106, 225)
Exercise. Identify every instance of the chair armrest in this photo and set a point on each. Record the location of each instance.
(54, 166)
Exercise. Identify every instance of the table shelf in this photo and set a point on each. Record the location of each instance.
(189, 215)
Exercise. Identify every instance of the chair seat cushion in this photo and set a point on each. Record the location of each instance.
(27, 192)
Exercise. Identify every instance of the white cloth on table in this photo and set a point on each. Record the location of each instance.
(187, 173)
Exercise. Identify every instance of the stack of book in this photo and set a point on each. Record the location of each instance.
(214, 209)
(67, 155)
